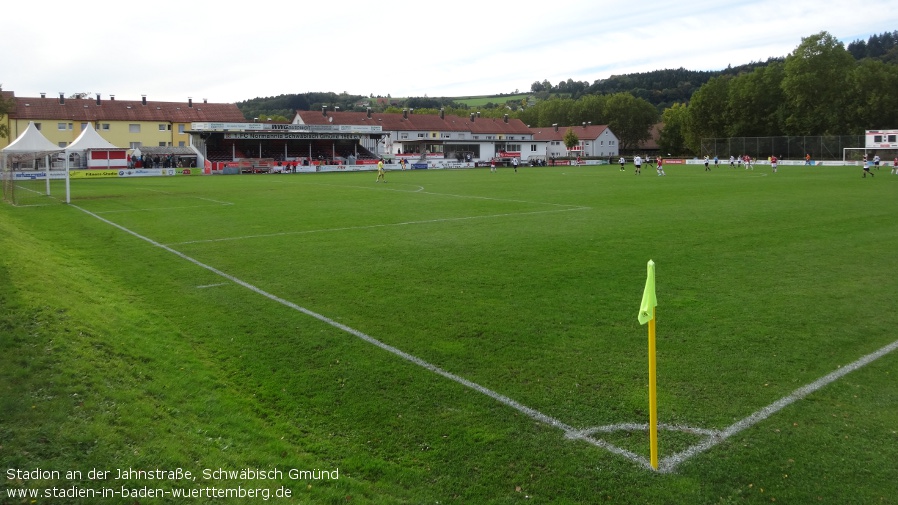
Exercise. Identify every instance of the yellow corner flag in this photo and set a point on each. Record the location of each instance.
(649, 302)
(647, 315)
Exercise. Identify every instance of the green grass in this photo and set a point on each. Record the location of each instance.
(479, 101)
(119, 353)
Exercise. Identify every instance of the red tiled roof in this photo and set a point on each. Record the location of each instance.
(549, 134)
(417, 122)
(84, 109)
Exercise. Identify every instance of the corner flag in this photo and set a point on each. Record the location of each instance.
(649, 302)
(647, 315)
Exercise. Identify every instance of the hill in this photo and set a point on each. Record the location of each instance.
(661, 88)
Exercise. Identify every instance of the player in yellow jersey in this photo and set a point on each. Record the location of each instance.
(380, 171)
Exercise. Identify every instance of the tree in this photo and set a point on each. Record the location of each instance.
(630, 118)
(707, 113)
(570, 140)
(6, 105)
(873, 101)
(556, 111)
(754, 105)
(672, 138)
(589, 109)
(815, 86)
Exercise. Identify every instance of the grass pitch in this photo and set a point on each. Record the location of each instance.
(214, 323)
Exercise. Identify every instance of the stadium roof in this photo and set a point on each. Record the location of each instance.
(416, 122)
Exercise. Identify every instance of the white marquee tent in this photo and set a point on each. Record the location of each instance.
(29, 148)
(93, 151)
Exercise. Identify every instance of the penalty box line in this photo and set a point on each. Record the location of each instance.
(560, 207)
(532, 413)
(373, 226)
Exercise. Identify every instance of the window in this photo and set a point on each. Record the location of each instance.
(181, 143)
(532, 148)
(162, 127)
(892, 139)
(161, 144)
(105, 126)
(421, 135)
(38, 126)
(133, 128)
(181, 129)
(60, 126)
(83, 126)
(136, 145)
(62, 144)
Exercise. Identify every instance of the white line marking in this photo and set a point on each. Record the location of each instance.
(666, 465)
(347, 228)
(158, 208)
(669, 463)
(433, 368)
(405, 223)
(169, 193)
(473, 197)
(379, 187)
(212, 285)
(187, 196)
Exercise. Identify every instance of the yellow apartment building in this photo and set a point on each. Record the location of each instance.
(124, 123)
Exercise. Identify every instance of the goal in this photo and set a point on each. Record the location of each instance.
(855, 155)
(32, 178)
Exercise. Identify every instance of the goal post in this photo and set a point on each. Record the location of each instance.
(881, 143)
(32, 178)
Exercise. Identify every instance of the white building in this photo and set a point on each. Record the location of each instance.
(595, 141)
(434, 137)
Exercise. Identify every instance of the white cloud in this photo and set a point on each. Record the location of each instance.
(172, 50)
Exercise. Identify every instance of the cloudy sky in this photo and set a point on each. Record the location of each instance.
(232, 51)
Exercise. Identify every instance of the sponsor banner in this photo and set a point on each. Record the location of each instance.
(133, 172)
(351, 168)
(40, 174)
(674, 161)
(92, 174)
(224, 127)
(290, 136)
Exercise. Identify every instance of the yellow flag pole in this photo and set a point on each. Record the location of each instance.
(647, 315)
(653, 396)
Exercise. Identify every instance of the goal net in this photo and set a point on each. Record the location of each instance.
(855, 156)
(32, 178)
